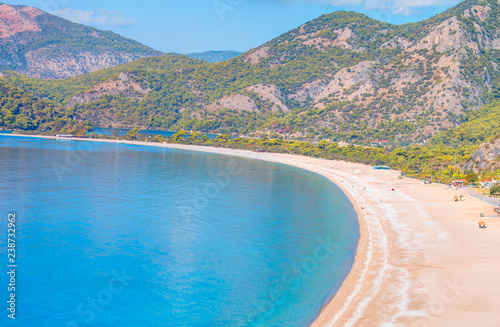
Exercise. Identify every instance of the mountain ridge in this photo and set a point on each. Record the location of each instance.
(343, 76)
(42, 45)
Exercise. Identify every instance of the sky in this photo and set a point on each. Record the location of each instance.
(185, 26)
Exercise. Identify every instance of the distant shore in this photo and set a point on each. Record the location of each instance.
(421, 259)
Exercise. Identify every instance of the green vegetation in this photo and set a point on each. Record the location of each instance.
(132, 134)
(23, 111)
(477, 127)
(178, 89)
(59, 32)
(175, 92)
(495, 190)
(428, 162)
(60, 91)
(58, 35)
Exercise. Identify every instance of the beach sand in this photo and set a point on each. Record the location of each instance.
(421, 260)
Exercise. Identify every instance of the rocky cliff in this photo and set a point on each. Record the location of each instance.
(425, 74)
(40, 45)
(487, 156)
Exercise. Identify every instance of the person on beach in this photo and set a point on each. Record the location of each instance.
(482, 224)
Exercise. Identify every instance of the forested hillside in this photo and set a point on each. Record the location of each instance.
(479, 135)
(342, 76)
(478, 127)
(23, 111)
(41, 45)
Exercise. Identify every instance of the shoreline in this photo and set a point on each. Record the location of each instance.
(421, 258)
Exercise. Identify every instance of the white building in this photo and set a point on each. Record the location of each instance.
(489, 184)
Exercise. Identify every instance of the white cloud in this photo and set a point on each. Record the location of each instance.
(75, 15)
(112, 18)
(406, 7)
(101, 17)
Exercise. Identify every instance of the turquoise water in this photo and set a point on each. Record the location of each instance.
(122, 235)
(123, 131)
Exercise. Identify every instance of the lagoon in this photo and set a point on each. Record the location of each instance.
(117, 234)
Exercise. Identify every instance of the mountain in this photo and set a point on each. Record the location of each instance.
(22, 111)
(41, 45)
(214, 56)
(479, 135)
(343, 76)
(486, 157)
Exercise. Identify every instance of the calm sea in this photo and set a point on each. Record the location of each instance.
(122, 235)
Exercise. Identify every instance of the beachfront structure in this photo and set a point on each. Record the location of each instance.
(378, 143)
(381, 167)
(488, 184)
(458, 183)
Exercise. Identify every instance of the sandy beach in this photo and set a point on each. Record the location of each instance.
(421, 261)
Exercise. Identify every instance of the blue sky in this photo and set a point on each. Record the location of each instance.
(185, 26)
